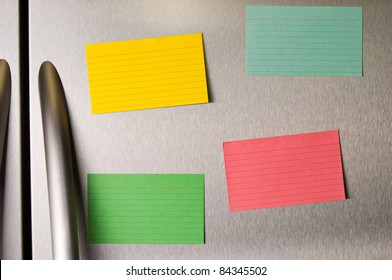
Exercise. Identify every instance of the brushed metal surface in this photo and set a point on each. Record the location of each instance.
(10, 214)
(189, 139)
(59, 168)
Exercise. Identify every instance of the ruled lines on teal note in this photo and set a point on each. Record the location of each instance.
(303, 41)
(146, 208)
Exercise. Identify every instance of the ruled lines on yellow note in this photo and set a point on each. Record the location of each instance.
(146, 73)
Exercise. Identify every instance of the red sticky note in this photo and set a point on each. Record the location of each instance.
(284, 170)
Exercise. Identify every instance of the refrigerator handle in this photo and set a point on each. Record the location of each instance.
(5, 96)
(59, 166)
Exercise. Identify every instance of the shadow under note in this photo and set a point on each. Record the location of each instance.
(209, 90)
(346, 193)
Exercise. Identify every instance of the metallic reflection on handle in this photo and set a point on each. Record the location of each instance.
(5, 96)
(58, 164)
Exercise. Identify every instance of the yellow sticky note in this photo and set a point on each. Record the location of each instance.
(147, 73)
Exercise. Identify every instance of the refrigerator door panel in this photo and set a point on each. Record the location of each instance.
(188, 139)
(10, 177)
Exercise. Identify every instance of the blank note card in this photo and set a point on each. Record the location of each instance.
(284, 170)
(146, 208)
(147, 73)
(303, 41)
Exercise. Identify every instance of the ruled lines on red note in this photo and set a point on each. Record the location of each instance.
(284, 170)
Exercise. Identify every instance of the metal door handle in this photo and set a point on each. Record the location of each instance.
(5, 96)
(59, 166)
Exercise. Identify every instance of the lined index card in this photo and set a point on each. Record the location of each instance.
(303, 41)
(146, 208)
(147, 73)
(284, 170)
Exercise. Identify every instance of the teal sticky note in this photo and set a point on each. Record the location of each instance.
(146, 208)
(303, 41)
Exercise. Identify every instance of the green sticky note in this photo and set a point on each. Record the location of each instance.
(146, 208)
(303, 41)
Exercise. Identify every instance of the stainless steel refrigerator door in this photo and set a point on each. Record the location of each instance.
(10, 180)
(189, 139)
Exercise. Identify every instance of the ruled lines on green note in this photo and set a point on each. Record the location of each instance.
(303, 41)
(146, 208)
